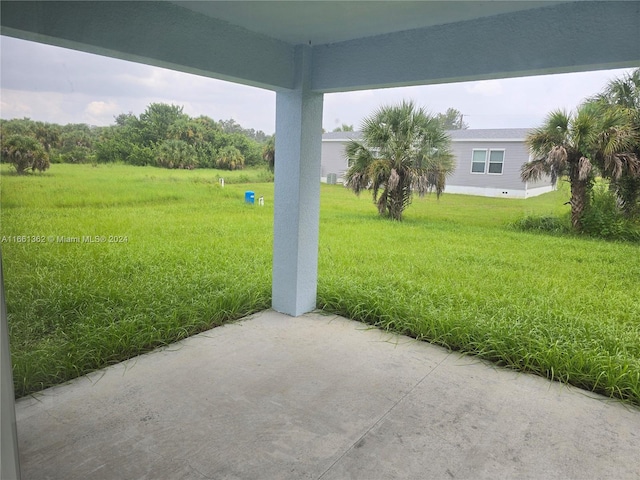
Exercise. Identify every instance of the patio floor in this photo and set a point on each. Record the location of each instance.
(320, 397)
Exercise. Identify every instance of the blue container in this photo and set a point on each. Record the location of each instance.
(249, 197)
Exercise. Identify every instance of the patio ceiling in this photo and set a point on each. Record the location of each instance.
(323, 22)
(355, 45)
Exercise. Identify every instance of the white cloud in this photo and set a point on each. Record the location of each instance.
(14, 108)
(489, 88)
(101, 113)
(42, 106)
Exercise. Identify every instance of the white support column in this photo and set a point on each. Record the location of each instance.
(9, 460)
(297, 192)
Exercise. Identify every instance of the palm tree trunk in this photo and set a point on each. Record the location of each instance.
(395, 204)
(578, 202)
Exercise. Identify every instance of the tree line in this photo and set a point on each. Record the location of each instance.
(163, 135)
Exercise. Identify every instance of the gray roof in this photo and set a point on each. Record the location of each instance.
(512, 134)
(489, 134)
(342, 136)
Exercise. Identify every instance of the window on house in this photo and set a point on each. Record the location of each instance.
(496, 160)
(478, 161)
(487, 161)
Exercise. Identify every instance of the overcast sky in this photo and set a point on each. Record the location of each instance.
(64, 86)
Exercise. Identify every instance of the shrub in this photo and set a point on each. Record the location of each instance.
(265, 176)
(545, 223)
(140, 156)
(628, 192)
(25, 153)
(206, 153)
(604, 217)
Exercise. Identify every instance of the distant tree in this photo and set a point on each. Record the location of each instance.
(116, 143)
(576, 145)
(76, 143)
(17, 126)
(141, 155)
(230, 158)
(175, 154)
(249, 149)
(404, 149)
(210, 138)
(269, 152)
(261, 137)
(125, 119)
(156, 121)
(344, 128)
(230, 126)
(452, 119)
(152, 139)
(48, 134)
(25, 153)
(187, 129)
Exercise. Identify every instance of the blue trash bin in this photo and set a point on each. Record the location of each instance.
(249, 197)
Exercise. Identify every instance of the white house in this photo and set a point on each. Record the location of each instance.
(488, 162)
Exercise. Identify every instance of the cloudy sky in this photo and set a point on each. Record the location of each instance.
(64, 86)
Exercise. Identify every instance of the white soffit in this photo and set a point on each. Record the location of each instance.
(323, 22)
(355, 44)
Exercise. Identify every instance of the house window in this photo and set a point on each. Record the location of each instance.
(478, 161)
(487, 161)
(496, 160)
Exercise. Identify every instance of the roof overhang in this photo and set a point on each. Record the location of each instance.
(355, 45)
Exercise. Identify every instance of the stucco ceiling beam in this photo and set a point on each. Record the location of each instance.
(570, 37)
(154, 33)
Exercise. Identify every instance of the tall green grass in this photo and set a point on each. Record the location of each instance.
(452, 273)
(186, 255)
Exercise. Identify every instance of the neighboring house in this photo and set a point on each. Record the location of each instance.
(334, 160)
(488, 162)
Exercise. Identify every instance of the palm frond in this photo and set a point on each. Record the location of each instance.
(534, 170)
(393, 181)
(552, 133)
(623, 91)
(379, 172)
(359, 158)
(584, 168)
(617, 165)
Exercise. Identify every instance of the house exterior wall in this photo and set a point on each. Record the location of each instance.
(333, 159)
(463, 181)
(505, 184)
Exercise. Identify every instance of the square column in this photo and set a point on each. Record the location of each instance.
(297, 192)
(9, 460)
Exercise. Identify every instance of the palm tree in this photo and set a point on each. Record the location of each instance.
(25, 153)
(575, 145)
(269, 152)
(624, 93)
(229, 158)
(403, 149)
(176, 154)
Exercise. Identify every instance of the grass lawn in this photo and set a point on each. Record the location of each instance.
(187, 254)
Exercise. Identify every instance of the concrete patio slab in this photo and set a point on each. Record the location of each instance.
(320, 397)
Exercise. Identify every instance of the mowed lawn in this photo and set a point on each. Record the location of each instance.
(196, 255)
